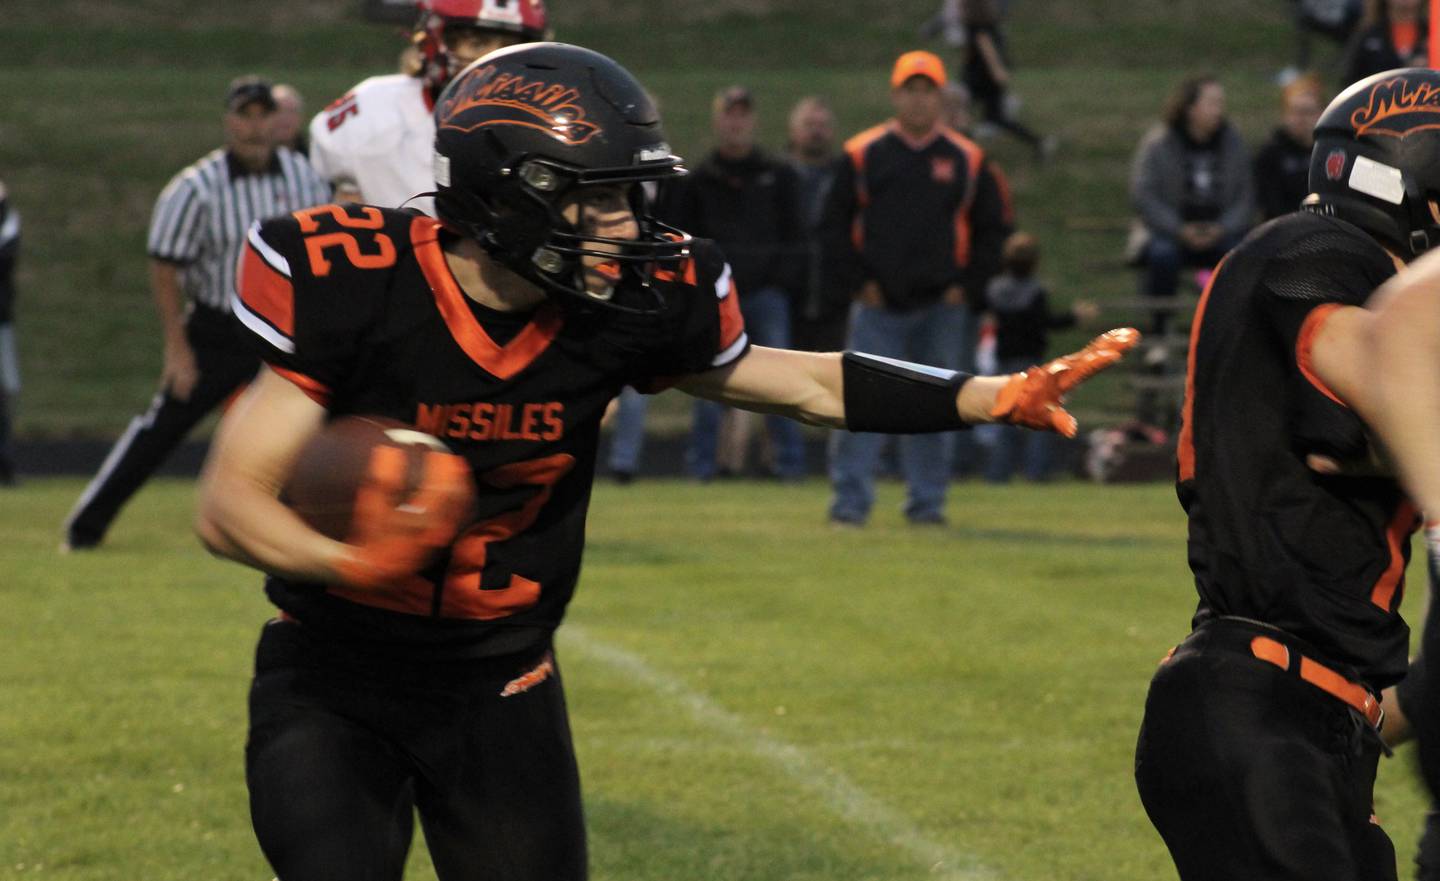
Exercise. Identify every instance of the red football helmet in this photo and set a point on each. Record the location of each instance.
(515, 21)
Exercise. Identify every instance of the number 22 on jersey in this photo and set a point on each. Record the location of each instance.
(316, 242)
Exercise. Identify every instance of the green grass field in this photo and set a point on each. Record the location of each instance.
(754, 695)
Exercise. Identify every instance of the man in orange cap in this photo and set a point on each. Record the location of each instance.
(913, 229)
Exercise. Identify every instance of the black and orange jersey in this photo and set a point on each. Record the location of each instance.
(914, 216)
(357, 306)
(1322, 557)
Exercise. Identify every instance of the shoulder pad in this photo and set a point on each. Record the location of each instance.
(1308, 256)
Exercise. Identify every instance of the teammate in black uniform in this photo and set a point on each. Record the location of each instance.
(1258, 751)
(504, 328)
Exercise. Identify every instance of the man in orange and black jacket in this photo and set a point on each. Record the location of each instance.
(913, 227)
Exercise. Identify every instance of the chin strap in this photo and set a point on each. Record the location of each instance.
(1423, 239)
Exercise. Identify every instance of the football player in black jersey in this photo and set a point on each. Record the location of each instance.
(390, 683)
(1258, 751)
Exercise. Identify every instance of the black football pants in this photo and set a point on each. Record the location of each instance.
(225, 364)
(1252, 774)
(343, 749)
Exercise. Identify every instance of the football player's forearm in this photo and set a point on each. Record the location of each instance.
(805, 386)
(240, 514)
(1404, 377)
(242, 521)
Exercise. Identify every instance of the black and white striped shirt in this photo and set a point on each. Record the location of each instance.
(202, 215)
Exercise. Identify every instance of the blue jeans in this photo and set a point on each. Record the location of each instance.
(1011, 442)
(935, 335)
(767, 322)
(1163, 260)
(627, 440)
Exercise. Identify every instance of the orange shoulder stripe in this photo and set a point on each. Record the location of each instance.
(1305, 345)
(1396, 535)
(266, 292)
(1185, 451)
(856, 146)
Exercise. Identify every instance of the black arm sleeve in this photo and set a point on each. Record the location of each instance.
(897, 397)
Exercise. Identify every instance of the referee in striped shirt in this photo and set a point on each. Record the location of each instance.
(196, 234)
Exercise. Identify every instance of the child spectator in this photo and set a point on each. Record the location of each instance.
(1019, 308)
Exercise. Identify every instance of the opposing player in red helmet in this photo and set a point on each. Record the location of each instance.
(452, 33)
(374, 142)
(504, 327)
(1314, 347)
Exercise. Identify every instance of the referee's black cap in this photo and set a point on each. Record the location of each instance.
(249, 90)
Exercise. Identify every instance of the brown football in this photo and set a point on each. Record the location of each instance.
(336, 462)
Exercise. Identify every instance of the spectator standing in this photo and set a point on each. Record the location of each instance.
(1020, 309)
(987, 74)
(746, 201)
(1392, 34)
(376, 143)
(1282, 165)
(197, 232)
(1192, 187)
(819, 317)
(9, 358)
(1335, 20)
(913, 225)
(289, 125)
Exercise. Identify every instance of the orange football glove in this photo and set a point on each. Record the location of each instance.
(1033, 398)
(392, 537)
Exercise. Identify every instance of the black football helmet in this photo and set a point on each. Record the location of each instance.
(522, 127)
(1376, 159)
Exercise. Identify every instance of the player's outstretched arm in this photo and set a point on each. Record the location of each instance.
(239, 513)
(865, 393)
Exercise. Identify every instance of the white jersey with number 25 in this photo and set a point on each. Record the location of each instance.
(380, 137)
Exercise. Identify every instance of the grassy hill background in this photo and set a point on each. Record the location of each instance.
(101, 102)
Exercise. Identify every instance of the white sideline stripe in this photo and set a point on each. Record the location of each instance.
(851, 803)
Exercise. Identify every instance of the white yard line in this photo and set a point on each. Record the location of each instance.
(834, 790)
